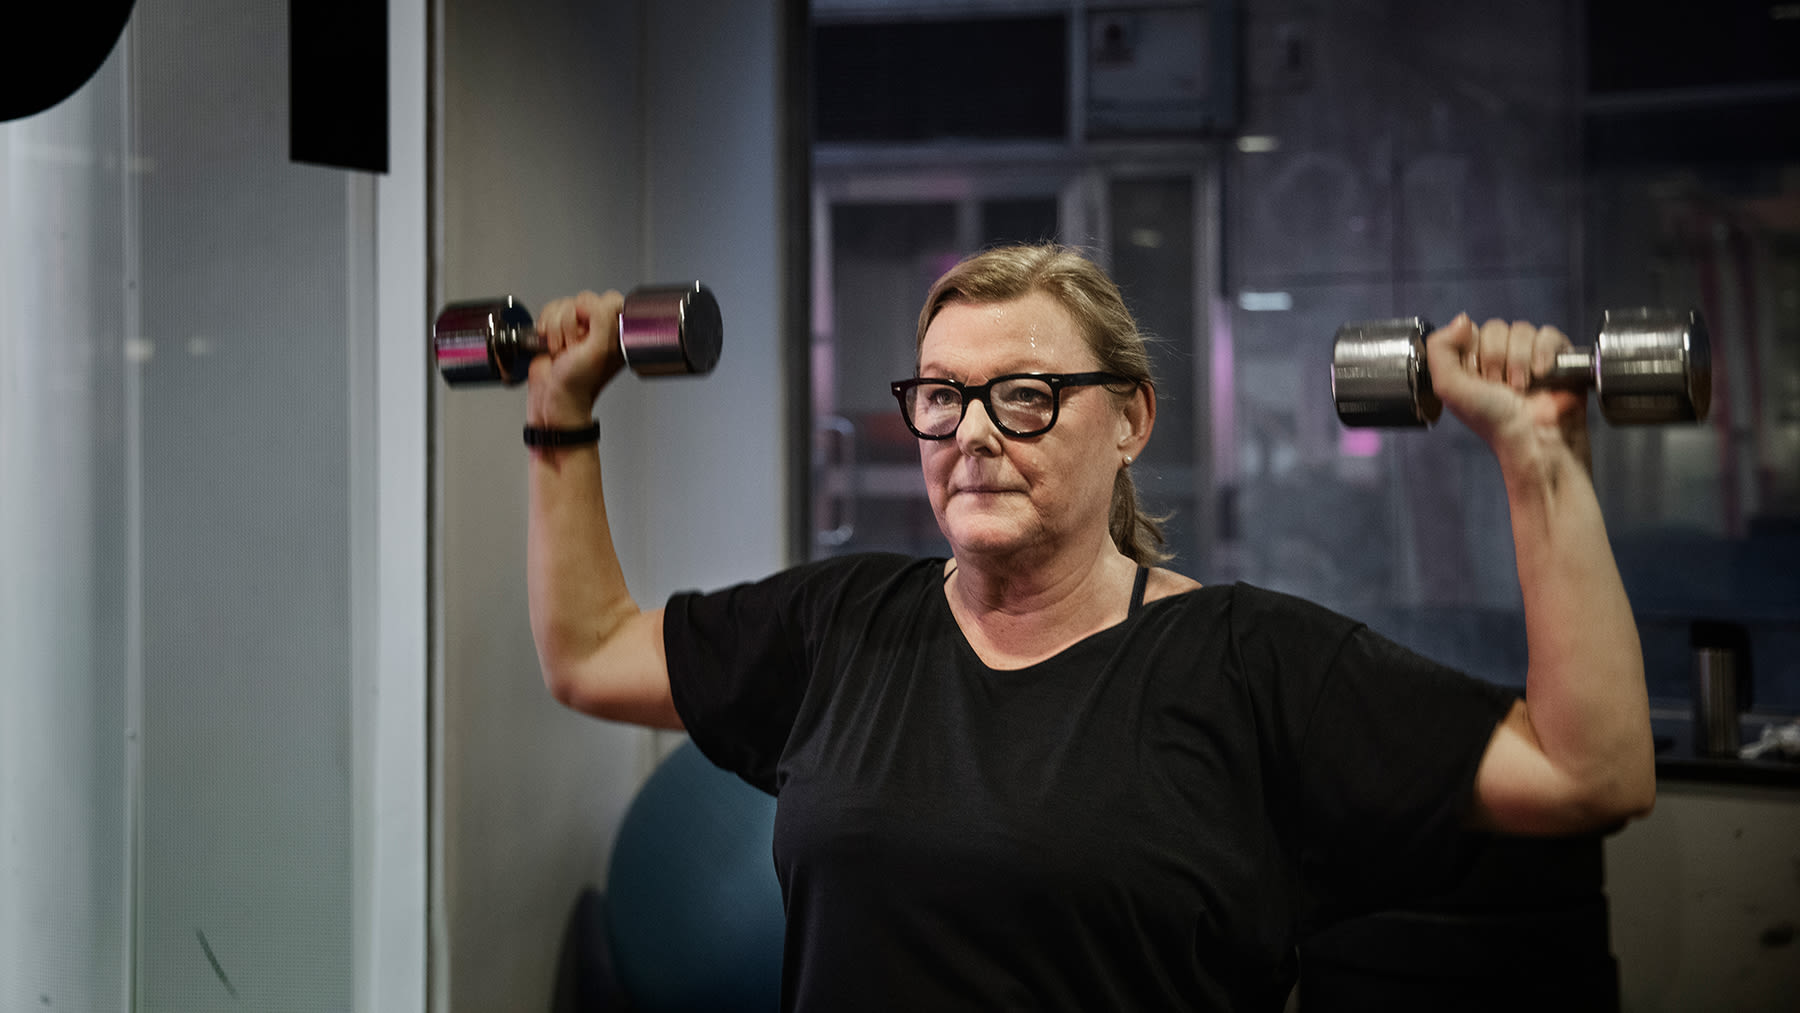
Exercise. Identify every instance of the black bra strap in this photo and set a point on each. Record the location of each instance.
(1137, 589)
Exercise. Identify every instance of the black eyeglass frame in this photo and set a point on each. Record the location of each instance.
(979, 392)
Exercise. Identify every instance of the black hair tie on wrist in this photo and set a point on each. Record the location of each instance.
(547, 436)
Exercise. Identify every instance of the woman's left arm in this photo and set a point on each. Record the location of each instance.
(1577, 754)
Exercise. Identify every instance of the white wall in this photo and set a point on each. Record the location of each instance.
(714, 505)
(63, 693)
(589, 146)
(389, 499)
(539, 174)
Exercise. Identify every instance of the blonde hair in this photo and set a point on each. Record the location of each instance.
(1077, 284)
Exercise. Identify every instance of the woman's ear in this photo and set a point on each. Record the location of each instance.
(1137, 419)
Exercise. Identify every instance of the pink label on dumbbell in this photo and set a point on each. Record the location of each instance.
(462, 351)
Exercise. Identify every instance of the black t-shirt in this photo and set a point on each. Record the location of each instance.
(1143, 821)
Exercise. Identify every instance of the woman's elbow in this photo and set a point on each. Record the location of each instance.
(619, 696)
(1521, 790)
(1637, 799)
(585, 696)
(1611, 804)
(619, 675)
(566, 689)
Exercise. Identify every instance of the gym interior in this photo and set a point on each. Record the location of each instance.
(274, 734)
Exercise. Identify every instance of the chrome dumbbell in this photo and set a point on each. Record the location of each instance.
(1647, 366)
(664, 330)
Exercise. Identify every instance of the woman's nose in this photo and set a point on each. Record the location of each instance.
(976, 433)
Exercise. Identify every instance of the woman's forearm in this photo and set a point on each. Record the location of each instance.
(577, 589)
(1585, 694)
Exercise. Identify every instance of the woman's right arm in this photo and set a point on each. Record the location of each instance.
(601, 654)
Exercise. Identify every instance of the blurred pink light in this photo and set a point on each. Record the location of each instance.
(1359, 442)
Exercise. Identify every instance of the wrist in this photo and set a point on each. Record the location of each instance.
(1539, 464)
(539, 437)
(1544, 445)
(557, 420)
(558, 413)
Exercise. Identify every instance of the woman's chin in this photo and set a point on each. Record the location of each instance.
(985, 535)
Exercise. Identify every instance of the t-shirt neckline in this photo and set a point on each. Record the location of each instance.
(939, 592)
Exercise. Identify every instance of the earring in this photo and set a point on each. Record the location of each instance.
(1127, 460)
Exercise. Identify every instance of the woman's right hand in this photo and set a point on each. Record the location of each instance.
(581, 339)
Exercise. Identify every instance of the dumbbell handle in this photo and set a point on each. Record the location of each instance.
(1573, 370)
(1647, 365)
(664, 330)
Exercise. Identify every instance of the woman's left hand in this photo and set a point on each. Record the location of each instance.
(1483, 375)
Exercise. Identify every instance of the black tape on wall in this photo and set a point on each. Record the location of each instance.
(52, 50)
(337, 81)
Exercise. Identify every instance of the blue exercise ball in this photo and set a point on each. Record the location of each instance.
(693, 907)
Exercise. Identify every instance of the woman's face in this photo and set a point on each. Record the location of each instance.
(1000, 495)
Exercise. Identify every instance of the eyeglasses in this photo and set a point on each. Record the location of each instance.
(1020, 404)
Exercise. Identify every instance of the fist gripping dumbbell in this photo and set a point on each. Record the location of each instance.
(664, 330)
(1646, 365)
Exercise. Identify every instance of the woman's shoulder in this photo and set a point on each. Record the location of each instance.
(855, 575)
(855, 566)
(1166, 583)
(1248, 608)
(828, 579)
(1255, 601)
(870, 567)
(1250, 633)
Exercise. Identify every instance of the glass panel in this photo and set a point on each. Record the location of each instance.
(1154, 262)
(64, 564)
(1311, 515)
(1018, 220)
(912, 80)
(1721, 499)
(1360, 194)
(868, 493)
(175, 756)
(245, 853)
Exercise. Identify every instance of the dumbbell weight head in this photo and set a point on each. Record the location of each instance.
(664, 330)
(1378, 374)
(1652, 366)
(670, 329)
(483, 341)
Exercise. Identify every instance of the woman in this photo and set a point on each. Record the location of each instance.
(1045, 773)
